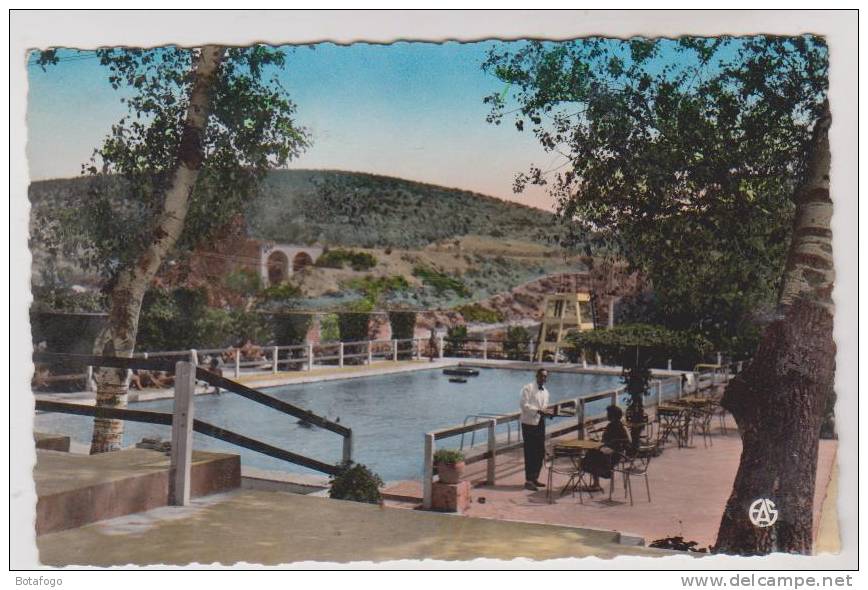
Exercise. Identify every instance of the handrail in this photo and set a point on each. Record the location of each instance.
(198, 425)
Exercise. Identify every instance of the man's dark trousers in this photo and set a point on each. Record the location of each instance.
(534, 448)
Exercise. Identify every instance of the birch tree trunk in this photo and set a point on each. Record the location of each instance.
(119, 336)
(778, 401)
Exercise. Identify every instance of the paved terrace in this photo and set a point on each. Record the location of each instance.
(689, 490)
(271, 528)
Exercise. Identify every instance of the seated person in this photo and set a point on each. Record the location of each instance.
(136, 380)
(599, 463)
(251, 352)
(214, 367)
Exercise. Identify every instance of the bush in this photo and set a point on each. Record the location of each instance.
(656, 345)
(353, 327)
(338, 258)
(403, 324)
(448, 456)
(329, 330)
(290, 329)
(440, 282)
(357, 483)
(453, 344)
(474, 312)
(515, 346)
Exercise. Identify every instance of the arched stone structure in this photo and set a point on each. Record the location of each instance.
(301, 260)
(277, 268)
(292, 259)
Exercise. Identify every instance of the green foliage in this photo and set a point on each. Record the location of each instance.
(250, 129)
(357, 483)
(59, 298)
(515, 346)
(282, 293)
(440, 282)
(403, 324)
(681, 155)
(357, 209)
(353, 326)
(181, 319)
(455, 341)
(244, 282)
(448, 456)
(329, 329)
(375, 290)
(654, 345)
(474, 312)
(338, 258)
(290, 329)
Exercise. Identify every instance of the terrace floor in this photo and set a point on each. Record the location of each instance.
(689, 490)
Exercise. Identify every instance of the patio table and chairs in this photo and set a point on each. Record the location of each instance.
(565, 458)
(672, 420)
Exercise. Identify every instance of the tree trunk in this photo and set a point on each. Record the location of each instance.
(119, 336)
(778, 401)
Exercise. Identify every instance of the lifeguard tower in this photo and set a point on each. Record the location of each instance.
(563, 313)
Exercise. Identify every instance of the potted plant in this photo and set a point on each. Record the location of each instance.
(449, 464)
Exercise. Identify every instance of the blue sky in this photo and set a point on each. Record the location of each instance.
(412, 110)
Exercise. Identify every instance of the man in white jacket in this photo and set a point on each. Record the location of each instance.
(534, 399)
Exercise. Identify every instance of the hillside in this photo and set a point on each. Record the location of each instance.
(356, 209)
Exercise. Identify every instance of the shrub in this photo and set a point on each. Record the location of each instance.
(655, 344)
(474, 312)
(515, 346)
(338, 258)
(353, 327)
(328, 328)
(448, 456)
(440, 282)
(453, 344)
(403, 324)
(357, 483)
(244, 282)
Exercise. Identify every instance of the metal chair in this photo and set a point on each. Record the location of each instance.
(670, 421)
(629, 466)
(568, 463)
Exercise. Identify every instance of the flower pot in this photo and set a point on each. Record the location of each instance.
(450, 472)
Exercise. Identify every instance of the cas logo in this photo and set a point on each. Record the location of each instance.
(763, 513)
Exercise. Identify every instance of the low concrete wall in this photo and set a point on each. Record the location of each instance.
(139, 490)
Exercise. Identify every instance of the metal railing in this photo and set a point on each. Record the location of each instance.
(184, 424)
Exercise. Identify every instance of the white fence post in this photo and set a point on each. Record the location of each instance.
(274, 360)
(418, 344)
(370, 352)
(182, 434)
(669, 365)
(531, 345)
(310, 356)
(428, 475)
(341, 354)
(194, 357)
(557, 353)
(719, 358)
(394, 350)
(492, 452)
(485, 348)
(237, 363)
(659, 391)
(89, 384)
(599, 360)
(440, 346)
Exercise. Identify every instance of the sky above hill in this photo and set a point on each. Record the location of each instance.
(411, 110)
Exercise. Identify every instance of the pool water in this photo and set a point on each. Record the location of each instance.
(388, 414)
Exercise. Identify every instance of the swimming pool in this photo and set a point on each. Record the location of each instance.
(388, 415)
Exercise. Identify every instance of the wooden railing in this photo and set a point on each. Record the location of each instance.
(182, 418)
(581, 424)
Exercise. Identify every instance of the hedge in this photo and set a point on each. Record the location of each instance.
(655, 345)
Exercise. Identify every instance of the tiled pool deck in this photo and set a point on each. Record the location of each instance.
(689, 490)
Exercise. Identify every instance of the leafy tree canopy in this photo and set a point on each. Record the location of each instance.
(680, 155)
(250, 129)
